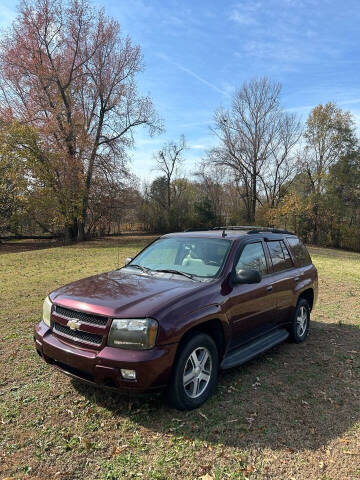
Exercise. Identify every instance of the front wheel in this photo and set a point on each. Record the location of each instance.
(300, 324)
(195, 373)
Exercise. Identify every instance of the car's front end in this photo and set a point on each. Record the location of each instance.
(117, 353)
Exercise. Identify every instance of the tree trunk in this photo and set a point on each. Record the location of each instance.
(253, 199)
(71, 231)
(315, 234)
(81, 236)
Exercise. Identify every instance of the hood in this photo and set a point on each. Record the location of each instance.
(122, 294)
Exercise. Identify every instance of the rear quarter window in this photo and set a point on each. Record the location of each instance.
(298, 249)
(279, 255)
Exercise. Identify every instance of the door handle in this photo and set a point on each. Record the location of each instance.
(269, 288)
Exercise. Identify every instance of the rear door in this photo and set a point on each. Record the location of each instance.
(251, 307)
(283, 273)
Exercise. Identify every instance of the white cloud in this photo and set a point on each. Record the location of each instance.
(242, 18)
(245, 13)
(275, 50)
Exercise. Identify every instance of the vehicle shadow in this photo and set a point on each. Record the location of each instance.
(294, 396)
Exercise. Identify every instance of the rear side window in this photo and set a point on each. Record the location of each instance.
(252, 258)
(299, 251)
(280, 256)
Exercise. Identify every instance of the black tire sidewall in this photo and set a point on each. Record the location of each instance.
(293, 332)
(176, 392)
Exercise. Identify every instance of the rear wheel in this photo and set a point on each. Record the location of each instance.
(195, 373)
(300, 324)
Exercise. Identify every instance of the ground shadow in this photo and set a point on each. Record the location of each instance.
(295, 396)
(27, 245)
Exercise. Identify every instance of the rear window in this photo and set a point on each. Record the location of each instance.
(280, 256)
(299, 251)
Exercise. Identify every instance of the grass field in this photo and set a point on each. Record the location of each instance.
(293, 413)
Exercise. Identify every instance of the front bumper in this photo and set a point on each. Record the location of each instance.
(102, 367)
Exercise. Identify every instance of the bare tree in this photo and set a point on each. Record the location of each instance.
(212, 179)
(67, 71)
(249, 133)
(280, 170)
(168, 160)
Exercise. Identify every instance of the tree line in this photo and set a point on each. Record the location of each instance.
(268, 169)
(68, 112)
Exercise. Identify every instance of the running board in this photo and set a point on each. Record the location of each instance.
(251, 350)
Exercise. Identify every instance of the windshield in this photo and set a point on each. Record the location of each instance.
(201, 257)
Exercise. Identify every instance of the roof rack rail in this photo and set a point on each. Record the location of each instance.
(251, 229)
(270, 230)
(235, 227)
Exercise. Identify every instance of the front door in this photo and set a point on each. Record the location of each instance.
(251, 307)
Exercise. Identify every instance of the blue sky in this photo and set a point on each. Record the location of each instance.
(197, 53)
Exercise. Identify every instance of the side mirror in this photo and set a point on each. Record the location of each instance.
(247, 276)
(127, 260)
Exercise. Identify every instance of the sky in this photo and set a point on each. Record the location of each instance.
(197, 53)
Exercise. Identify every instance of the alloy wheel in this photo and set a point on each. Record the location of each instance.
(301, 321)
(197, 372)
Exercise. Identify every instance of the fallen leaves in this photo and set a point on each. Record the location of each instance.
(343, 440)
(249, 469)
(120, 449)
(206, 477)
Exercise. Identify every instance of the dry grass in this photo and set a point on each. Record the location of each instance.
(293, 413)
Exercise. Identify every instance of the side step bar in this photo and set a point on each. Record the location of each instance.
(251, 350)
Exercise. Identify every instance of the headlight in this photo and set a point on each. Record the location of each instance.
(133, 334)
(47, 311)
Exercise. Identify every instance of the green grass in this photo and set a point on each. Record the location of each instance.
(292, 413)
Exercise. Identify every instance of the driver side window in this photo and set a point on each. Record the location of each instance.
(252, 258)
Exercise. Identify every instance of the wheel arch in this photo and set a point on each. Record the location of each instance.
(308, 295)
(212, 327)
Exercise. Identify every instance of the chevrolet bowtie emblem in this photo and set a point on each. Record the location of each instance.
(73, 324)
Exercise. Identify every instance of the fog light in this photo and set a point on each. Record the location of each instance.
(128, 374)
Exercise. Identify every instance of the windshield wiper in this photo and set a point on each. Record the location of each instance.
(140, 267)
(166, 270)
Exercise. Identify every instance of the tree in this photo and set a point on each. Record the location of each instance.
(211, 179)
(343, 201)
(329, 135)
(67, 71)
(168, 160)
(279, 172)
(250, 134)
(12, 187)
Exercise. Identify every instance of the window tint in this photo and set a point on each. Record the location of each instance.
(280, 256)
(299, 251)
(252, 258)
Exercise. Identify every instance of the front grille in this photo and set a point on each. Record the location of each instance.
(78, 334)
(81, 316)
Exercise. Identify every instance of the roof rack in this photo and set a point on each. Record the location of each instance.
(253, 229)
(235, 227)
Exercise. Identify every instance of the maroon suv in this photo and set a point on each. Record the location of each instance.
(185, 306)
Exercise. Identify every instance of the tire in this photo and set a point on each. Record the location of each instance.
(300, 323)
(195, 373)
